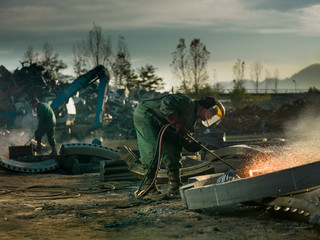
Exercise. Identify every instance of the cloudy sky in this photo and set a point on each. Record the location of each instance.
(281, 34)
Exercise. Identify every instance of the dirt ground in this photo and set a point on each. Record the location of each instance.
(60, 206)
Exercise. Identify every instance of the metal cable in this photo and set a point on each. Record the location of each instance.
(156, 158)
(57, 191)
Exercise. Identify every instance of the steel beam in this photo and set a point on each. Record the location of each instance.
(253, 188)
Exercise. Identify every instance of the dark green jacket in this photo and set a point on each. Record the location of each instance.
(45, 115)
(164, 106)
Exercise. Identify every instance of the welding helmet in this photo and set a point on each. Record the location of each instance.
(214, 114)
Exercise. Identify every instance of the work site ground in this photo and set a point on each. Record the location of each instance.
(55, 205)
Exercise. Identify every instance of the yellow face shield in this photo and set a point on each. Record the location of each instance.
(214, 114)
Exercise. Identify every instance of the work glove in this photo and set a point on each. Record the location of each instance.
(181, 129)
(189, 144)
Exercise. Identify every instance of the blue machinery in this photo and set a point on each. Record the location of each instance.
(82, 82)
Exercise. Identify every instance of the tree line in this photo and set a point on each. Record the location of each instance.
(188, 65)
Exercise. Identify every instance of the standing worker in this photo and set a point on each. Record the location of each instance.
(183, 113)
(47, 124)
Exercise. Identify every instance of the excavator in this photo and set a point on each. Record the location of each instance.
(84, 81)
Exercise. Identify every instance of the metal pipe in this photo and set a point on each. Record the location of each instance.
(211, 152)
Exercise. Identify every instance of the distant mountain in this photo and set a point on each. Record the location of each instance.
(306, 78)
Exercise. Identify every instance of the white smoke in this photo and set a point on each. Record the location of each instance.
(14, 137)
(306, 127)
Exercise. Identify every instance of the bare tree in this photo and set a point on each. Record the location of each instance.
(238, 94)
(198, 59)
(51, 62)
(267, 79)
(256, 71)
(238, 71)
(190, 66)
(179, 64)
(30, 56)
(48, 60)
(121, 66)
(80, 63)
(99, 47)
(276, 79)
(93, 51)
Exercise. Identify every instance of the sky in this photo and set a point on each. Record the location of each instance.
(281, 34)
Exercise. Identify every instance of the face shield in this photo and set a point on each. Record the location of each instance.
(214, 114)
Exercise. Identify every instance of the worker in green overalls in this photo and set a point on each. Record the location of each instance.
(183, 113)
(46, 125)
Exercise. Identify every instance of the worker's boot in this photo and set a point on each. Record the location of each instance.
(174, 183)
(153, 193)
(39, 147)
(54, 151)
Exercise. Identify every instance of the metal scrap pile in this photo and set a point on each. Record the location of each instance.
(23, 84)
(269, 116)
(120, 126)
(19, 87)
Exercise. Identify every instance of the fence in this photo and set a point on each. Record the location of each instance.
(267, 91)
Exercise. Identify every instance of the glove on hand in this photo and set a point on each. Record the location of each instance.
(189, 144)
(181, 129)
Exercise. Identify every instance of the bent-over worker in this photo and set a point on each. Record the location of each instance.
(46, 125)
(177, 109)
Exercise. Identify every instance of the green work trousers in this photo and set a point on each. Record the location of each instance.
(50, 131)
(147, 133)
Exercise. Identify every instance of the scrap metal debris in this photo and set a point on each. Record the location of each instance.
(19, 87)
(269, 116)
(41, 165)
(196, 195)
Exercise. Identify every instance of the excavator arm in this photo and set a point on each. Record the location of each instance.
(84, 81)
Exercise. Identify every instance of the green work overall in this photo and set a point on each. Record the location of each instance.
(47, 123)
(150, 116)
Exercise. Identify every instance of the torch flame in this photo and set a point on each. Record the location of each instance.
(256, 172)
